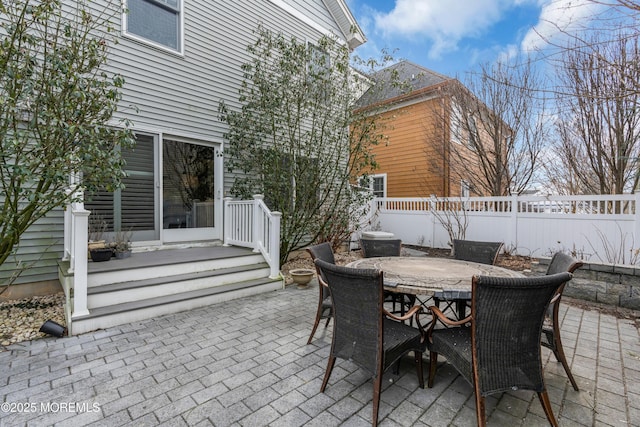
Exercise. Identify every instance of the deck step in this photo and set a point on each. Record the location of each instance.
(154, 281)
(133, 311)
(161, 264)
(174, 284)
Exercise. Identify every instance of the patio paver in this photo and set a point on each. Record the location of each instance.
(245, 363)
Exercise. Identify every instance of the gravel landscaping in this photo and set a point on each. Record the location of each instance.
(20, 320)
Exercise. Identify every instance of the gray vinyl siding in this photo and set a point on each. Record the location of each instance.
(40, 249)
(318, 11)
(179, 95)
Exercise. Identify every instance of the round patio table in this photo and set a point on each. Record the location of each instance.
(443, 278)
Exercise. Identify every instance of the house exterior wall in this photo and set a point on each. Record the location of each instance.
(414, 157)
(177, 94)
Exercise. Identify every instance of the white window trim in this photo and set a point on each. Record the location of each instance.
(384, 181)
(128, 35)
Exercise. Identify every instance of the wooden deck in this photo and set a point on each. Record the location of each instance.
(167, 256)
(167, 280)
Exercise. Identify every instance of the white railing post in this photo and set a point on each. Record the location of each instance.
(258, 230)
(68, 235)
(274, 244)
(226, 221)
(78, 259)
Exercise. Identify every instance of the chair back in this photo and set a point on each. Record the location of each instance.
(481, 252)
(563, 262)
(508, 314)
(377, 247)
(357, 296)
(560, 262)
(324, 252)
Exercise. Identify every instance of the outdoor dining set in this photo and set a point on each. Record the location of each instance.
(488, 322)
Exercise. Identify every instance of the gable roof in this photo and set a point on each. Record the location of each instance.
(342, 15)
(412, 78)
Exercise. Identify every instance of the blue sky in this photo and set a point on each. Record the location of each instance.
(453, 37)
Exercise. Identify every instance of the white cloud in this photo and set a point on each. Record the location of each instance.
(445, 23)
(558, 18)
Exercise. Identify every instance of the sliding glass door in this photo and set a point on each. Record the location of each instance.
(135, 207)
(169, 195)
(188, 191)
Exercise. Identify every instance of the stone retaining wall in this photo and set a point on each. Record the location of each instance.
(603, 283)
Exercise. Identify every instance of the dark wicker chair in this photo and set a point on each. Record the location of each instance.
(389, 247)
(482, 252)
(551, 329)
(375, 247)
(500, 348)
(324, 252)
(474, 251)
(364, 332)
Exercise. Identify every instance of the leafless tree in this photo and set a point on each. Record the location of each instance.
(496, 129)
(598, 120)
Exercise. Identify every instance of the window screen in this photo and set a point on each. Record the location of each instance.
(378, 186)
(155, 20)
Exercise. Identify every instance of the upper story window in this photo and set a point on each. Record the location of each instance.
(319, 61)
(156, 21)
(318, 70)
(465, 189)
(474, 138)
(455, 127)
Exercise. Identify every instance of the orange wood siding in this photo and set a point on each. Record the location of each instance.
(412, 155)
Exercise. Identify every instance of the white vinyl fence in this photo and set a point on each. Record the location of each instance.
(595, 228)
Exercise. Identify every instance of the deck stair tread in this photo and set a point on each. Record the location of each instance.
(164, 257)
(113, 287)
(168, 299)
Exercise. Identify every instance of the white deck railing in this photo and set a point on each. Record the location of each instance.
(76, 234)
(246, 223)
(251, 224)
(602, 228)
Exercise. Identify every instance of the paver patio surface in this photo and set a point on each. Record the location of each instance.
(246, 363)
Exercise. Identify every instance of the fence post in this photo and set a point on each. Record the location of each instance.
(432, 208)
(513, 222)
(636, 219)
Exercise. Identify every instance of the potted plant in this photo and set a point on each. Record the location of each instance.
(98, 250)
(97, 227)
(122, 244)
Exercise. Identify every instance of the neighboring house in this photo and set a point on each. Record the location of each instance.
(179, 60)
(420, 120)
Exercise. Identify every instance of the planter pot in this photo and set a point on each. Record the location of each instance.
(301, 277)
(122, 254)
(101, 255)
